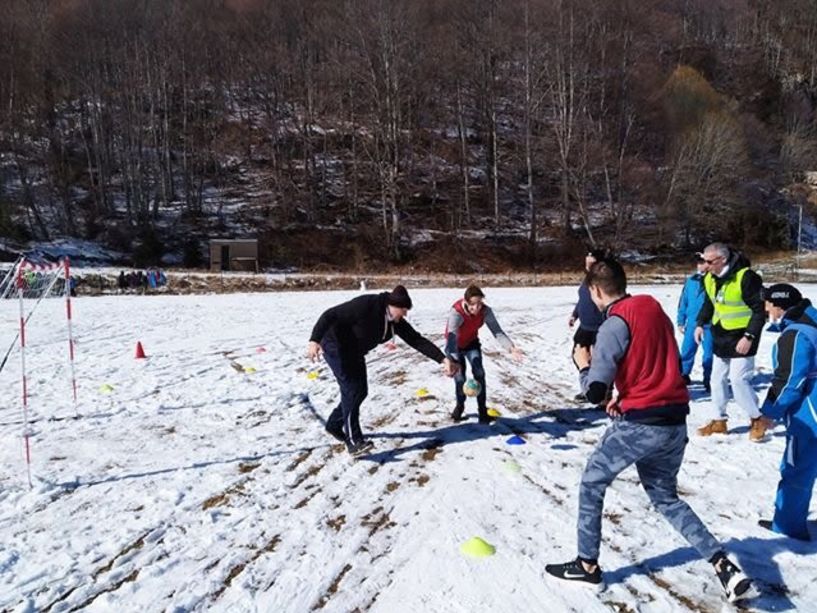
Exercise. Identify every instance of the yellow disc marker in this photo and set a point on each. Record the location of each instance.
(512, 466)
(312, 375)
(422, 392)
(494, 413)
(249, 370)
(105, 388)
(477, 548)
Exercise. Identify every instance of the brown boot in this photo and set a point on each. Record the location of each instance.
(716, 426)
(757, 431)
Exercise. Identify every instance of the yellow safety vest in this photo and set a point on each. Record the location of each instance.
(730, 310)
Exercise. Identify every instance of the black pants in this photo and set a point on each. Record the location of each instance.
(584, 337)
(349, 369)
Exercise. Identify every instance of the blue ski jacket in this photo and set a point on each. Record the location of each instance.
(793, 393)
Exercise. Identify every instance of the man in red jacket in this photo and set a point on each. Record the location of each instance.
(635, 349)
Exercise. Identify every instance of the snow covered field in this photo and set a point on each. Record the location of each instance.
(193, 483)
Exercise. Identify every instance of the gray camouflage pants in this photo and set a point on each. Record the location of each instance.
(657, 452)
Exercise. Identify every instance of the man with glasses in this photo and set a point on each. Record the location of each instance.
(692, 299)
(462, 345)
(735, 310)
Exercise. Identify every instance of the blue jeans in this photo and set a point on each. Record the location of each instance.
(689, 348)
(474, 357)
(657, 452)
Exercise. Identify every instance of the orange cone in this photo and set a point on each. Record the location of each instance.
(140, 352)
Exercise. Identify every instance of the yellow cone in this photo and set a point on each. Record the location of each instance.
(420, 393)
(105, 388)
(512, 466)
(477, 548)
(494, 413)
(312, 375)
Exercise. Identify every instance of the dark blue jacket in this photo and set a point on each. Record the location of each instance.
(586, 312)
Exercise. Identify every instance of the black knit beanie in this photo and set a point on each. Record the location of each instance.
(399, 297)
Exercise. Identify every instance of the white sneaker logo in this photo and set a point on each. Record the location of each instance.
(571, 575)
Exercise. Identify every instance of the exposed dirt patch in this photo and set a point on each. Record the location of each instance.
(684, 600)
(306, 500)
(299, 459)
(434, 447)
(333, 588)
(137, 544)
(248, 467)
(613, 517)
(239, 568)
(392, 486)
(223, 499)
(377, 520)
(337, 523)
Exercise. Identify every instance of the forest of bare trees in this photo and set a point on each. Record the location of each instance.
(644, 123)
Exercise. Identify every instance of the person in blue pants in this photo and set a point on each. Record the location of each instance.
(692, 299)
(792, 397)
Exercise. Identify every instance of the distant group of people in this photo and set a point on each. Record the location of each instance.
(140, 280)
(627, 344)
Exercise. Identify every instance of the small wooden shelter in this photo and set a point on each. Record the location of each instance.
(233, 254)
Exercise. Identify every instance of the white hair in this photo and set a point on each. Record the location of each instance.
(720, 248)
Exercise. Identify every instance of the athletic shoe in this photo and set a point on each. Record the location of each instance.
(456, 414)
(359, 448)
(735, 583)
(484, 418)
(574, 572)
(336, 433)
(579, 398)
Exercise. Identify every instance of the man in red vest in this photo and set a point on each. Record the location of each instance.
(462, 344)
(635, 349)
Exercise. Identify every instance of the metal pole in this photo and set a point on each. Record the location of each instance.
(27, 426)
(799, 237)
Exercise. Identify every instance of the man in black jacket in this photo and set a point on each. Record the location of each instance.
(345, 334)
(735, 309)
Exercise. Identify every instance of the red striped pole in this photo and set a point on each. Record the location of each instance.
(67, 267)
(27, 428)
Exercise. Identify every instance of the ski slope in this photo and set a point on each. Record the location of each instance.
(192, 483)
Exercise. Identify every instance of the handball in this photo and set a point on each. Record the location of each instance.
(471, 388)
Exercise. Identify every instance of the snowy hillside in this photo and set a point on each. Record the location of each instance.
(201, 477)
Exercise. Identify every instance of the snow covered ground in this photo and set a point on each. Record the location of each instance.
(193, 483)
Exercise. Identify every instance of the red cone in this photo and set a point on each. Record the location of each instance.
(140, 352)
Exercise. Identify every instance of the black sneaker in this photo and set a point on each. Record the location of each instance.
(484, 418)
(765, 523)
(359, 448)
(579, 398)
(574, 572)
(336, 433)
(457, 413)
(735, 583)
